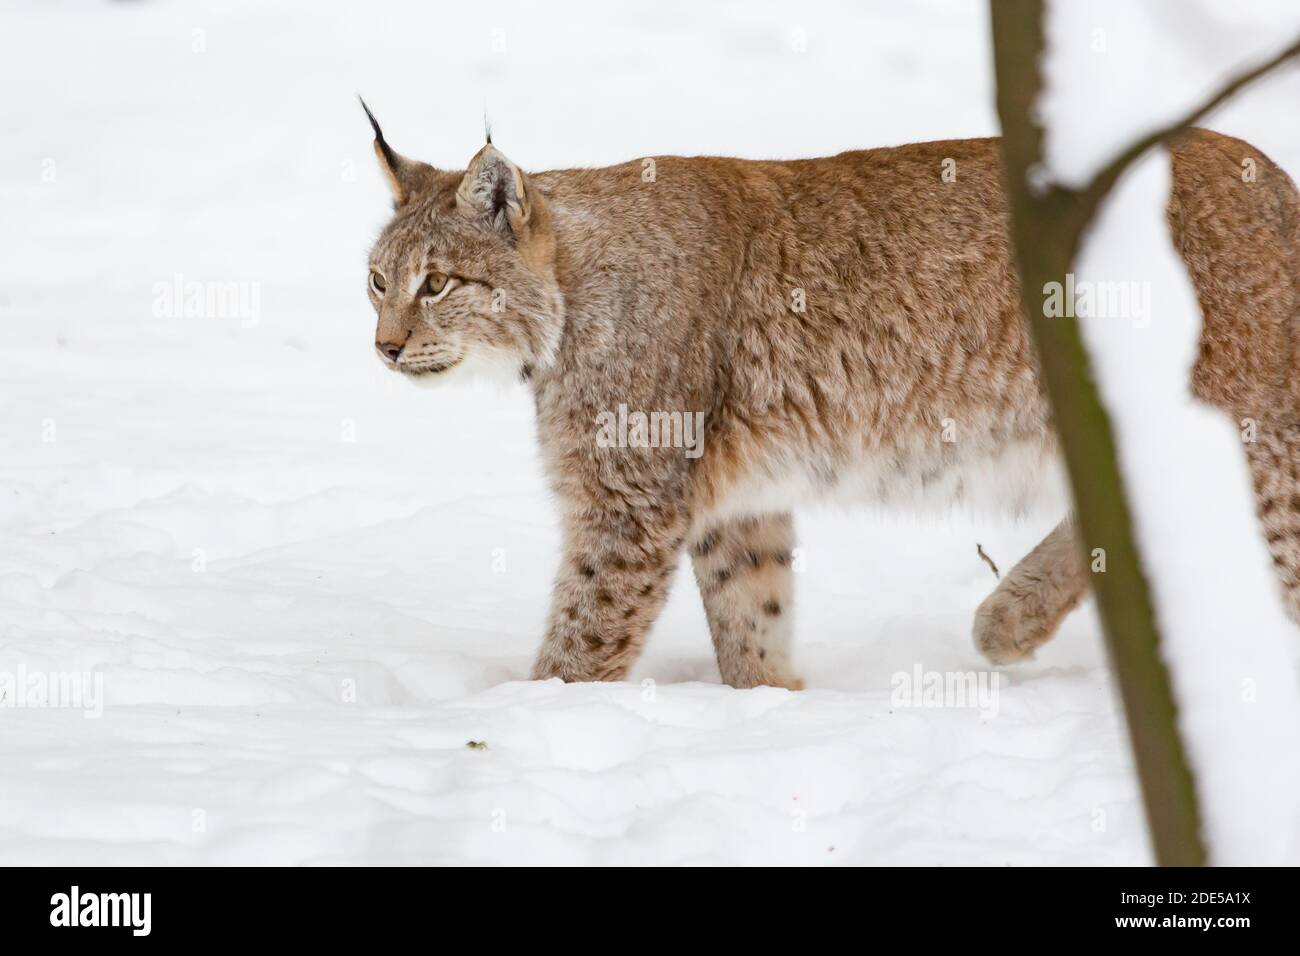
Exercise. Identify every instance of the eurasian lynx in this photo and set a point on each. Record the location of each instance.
(830, 319)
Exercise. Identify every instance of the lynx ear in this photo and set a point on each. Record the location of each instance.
(496, 189)
(406, 177)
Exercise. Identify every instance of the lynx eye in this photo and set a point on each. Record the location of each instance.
(376, 283)
(436, 286)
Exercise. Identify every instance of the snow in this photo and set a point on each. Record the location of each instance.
(1230, 648)
(308, 588)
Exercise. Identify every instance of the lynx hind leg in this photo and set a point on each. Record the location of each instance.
(1274, 459)
(743, 570)
(1030, 602)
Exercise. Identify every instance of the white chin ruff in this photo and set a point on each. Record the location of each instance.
(489, 366)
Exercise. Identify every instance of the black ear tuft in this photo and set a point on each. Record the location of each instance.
(374, 123)
(405, 177)
(389, 156)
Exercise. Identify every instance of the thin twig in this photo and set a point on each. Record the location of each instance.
(979, 549)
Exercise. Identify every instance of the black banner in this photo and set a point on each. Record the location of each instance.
(337, 906)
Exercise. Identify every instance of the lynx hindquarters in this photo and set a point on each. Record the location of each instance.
(1239, 237)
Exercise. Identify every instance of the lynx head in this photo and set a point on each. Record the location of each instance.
(464, 273)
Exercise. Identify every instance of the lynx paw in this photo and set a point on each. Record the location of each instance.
(789, 682)
(1002, 633)
(764, 678)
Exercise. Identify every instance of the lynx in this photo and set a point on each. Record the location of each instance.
(849, 327)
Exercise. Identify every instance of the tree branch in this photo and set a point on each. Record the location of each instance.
(1096, 191)
(1046, 228)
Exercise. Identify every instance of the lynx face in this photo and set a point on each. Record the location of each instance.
(464, 274)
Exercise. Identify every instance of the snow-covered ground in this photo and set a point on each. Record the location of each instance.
(307, 587)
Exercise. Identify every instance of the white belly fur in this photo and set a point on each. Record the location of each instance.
(1016, 479)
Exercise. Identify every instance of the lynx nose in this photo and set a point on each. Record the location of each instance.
(389, 351)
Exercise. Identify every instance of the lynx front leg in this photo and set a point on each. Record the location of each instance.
(743, 569)
(613, 580)
(1031, 601)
